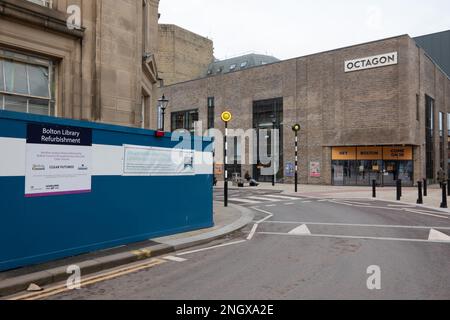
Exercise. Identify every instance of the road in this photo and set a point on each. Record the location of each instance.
(301, 248)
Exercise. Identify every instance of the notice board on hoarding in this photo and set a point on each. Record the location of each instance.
(58, 160)
(153, 161)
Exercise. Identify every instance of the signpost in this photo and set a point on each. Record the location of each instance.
(226, 117)
(296, 128)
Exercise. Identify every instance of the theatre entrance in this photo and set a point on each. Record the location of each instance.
(356, 166)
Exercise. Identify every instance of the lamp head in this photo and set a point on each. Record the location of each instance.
(163, 102)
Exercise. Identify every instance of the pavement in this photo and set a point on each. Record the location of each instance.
(226, 220)
(300, 247)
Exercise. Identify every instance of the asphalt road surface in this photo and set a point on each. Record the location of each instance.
(302, 248)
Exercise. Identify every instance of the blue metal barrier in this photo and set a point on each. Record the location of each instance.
(118, 210)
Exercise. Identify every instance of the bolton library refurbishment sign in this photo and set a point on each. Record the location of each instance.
(58, 160)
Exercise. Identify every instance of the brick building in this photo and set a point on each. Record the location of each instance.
(378, 110)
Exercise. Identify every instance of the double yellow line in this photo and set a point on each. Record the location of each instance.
(91, 280)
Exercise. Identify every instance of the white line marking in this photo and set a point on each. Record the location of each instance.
(356, 225)
(271, 205)
(350, 237)
(341, 203)
(323, 201)
(244, 201)
(174, 259)
(355, 203)
(211, 248)
(270, 215)
(264, 199)
(401, 206)
(282, 197)
(289, 204)
(424, 213)
(301, 231)
(306, 201)
(438, 236)
(252, 233)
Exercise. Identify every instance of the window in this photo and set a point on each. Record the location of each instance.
(441, 139)
(264, 113)
(233, 67)
(244, 64)
(448, 142)
(429, 133)
(26, 83)
(219, 70)
(234, 164)
(184, 120)
(417, 107)
(211, 112)
(45, 3)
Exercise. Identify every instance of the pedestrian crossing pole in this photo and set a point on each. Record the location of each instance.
(296, 128)
(226, 117)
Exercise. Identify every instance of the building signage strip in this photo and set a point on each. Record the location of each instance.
(344, 153)
(382, 60)
(372, 153)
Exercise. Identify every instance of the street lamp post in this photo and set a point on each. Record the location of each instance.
(296, 128)
(162, 104)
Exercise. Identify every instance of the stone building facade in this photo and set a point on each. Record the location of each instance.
(104, 71)
(382, 120)
(182, 55)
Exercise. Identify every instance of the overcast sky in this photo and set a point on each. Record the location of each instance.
(293, 28)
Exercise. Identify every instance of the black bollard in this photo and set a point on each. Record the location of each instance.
(374, 188)
(425, 188)
(420, 198)
(444, 196)
(399, 190)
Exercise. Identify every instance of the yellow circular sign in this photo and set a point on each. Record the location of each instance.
(227, 116)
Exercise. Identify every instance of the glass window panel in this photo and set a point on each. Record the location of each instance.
(39, 78)
(18, 104)
(192, 119)
(177, 120)
(16, 77)
(38, 106)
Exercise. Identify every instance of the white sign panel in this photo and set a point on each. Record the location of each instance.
(152, 161)
(58, 160)
(378, 61)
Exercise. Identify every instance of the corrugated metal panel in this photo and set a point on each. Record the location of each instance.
(437, 45)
